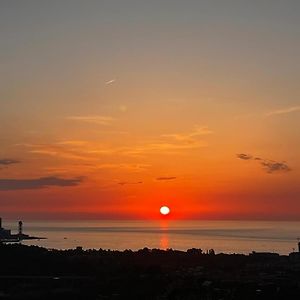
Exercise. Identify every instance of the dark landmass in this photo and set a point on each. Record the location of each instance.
(16, 238)
(31, 272)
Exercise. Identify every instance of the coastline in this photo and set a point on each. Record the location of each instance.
(223, 236)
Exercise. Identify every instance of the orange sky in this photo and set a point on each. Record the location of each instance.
(111, 110)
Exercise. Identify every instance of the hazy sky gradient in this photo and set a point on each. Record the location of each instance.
(110, 109)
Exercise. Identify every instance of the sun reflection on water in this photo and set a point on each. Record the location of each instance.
(164, 236)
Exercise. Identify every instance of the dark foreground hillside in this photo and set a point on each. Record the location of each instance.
(29, 272)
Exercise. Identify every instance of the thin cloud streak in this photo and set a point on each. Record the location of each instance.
(283, 111)
(100, 120)
(129, 167)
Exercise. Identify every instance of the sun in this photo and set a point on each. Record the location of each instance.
(164, 210)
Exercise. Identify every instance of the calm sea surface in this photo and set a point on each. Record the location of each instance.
(222, 236)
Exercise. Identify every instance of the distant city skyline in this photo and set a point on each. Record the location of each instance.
(113, 109)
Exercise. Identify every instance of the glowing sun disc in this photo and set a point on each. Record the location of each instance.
(164, 210)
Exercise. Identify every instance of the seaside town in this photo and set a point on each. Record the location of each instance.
(31, 272)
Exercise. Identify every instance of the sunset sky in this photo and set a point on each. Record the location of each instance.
(111, 109)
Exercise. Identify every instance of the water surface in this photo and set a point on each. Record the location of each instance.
(222, 236)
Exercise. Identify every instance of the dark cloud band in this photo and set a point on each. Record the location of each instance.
(270, 166)
(37, 183)
(244, 156)
(6, 162)
(273, 166)
(166, 178)
(126, 182)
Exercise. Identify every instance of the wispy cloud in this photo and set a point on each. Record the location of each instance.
(188, 137)
(56, 150)
(162, 146)
(110, 81)
(73, 143)
(270, 166)
(37, 183)
(166, 178)
(129, 167)
(7, 161)
(172, 143)
(282, 111)
(100, 120)
(87, 151)
(90, 151)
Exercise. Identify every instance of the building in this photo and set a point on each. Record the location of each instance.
(4, 233)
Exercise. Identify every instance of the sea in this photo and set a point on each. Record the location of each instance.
(222, 236)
